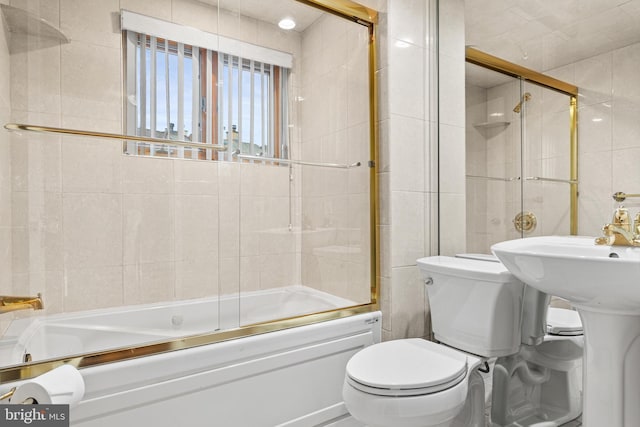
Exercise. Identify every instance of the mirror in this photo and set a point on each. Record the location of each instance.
(594, 45)
(519, 151)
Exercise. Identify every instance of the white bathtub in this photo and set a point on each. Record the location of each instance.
(68, 334)
(288, 378)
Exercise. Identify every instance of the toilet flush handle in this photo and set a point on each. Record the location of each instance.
(428, 281)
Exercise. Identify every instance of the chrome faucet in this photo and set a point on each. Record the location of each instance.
(619, 232)
(10, 303)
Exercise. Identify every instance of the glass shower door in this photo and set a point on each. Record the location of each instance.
(493, 157)
(546, 162)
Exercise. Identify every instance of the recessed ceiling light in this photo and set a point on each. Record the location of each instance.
(287, 24)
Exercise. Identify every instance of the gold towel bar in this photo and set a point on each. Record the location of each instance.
(527, 178)
(295, 162)
(621, 197)
(78, 132)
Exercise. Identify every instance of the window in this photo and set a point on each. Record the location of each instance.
(182, 92)
(246, 97)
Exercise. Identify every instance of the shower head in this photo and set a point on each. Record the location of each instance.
(525, 98)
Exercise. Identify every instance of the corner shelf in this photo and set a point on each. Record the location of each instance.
(20, 21)
(489, 125)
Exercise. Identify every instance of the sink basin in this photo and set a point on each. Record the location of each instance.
(603, 283)
(603, 278)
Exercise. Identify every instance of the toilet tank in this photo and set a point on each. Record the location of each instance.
(475, 304)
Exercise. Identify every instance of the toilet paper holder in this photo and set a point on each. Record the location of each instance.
(62, 385)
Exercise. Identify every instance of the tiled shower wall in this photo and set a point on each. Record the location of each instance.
(94, 228)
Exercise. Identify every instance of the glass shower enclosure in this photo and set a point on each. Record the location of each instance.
(520, 158)
(193, 170)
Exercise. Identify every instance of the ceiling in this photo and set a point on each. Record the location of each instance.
(546, 34)
(272, 12)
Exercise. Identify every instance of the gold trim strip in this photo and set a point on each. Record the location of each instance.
(485, 60)
(105, 135)
(373, 169)
(573, 168)
(33, 369)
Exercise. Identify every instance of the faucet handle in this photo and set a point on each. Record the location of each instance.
(606, 240)
(636, 225)
(621, 218)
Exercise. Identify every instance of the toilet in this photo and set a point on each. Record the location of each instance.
(475, 313)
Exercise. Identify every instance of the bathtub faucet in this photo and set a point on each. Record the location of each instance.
(10, 303)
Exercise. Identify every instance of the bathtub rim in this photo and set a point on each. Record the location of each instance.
(33, 369)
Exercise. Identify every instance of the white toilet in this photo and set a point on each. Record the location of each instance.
(475, 313)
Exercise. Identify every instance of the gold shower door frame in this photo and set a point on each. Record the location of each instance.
(494, 63)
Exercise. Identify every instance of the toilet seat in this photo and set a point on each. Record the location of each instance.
(563, 322)
(408, 367)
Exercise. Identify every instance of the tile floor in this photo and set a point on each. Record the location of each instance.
(350, 422)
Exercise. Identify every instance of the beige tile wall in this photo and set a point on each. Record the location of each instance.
(608, 132)
(407, 162)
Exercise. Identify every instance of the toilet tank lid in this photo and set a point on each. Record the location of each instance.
(465, 268)
(479, 257)
(562, 321)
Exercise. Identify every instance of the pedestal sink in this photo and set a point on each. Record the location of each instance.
(603, 283)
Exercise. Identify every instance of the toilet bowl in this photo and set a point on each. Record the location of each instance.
(542, 383)
(409, 382)
(475, 309)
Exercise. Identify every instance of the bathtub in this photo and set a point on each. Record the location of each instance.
(63, 335)
(288, 378)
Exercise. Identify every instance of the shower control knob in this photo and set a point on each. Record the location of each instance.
(525, 222)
